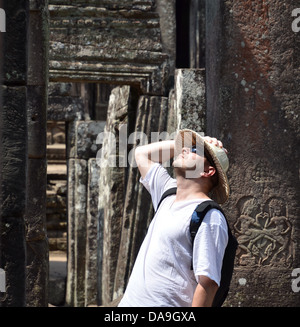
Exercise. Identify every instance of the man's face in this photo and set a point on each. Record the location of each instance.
(191, 161)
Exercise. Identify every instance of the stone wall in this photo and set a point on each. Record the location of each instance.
(252, 100)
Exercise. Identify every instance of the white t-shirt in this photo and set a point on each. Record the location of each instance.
(162, 275)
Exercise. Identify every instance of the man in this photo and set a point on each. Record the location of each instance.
(162, 274)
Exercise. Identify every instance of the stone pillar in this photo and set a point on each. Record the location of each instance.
(83, 177)
(112, 188)
(253, 98)
(36, 233)
(14, 157)
(92, 250)
(138, 210)
(77, 192)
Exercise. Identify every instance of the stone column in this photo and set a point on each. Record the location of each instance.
(36, 233)
(253, 98)
(138, 210)
(83, 174)
(92, 250)
(112, 186)
(13, 149)
(77, 192)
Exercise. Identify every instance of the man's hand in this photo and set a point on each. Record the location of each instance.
(215, 142)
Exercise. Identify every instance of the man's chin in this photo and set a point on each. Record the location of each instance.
(188, 173)
(181, 163)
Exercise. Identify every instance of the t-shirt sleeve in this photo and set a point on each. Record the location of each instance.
(157, 181)
(209, 246)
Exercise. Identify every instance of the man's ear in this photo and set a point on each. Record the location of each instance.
(209, 171)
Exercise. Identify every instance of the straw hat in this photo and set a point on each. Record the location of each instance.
(188, 138)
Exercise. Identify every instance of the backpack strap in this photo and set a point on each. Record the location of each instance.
(170, 191)
(198, 216)
(199, 213)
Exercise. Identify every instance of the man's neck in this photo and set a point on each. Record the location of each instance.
(189, 189)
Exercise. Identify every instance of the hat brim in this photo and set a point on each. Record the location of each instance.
(187, 137)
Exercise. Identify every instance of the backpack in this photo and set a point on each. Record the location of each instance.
(229, 254)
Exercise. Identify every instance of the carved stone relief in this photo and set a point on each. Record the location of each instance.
(261, 173)
(263, 232)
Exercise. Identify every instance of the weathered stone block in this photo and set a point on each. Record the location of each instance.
(82, 139)
(190, 105)
(112, 188)
(37, 263)
(77, 197)
(35, 217)
(167, 17)
(57, 290)
(37, 5)
(38, 42)
(172, 115)
(37, 273)
(59, 89)
(14, 151)
(62, 108)
(13, 260)
(91, 273)
(14, 45)
(37, 120)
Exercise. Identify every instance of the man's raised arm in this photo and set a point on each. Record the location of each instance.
(157, 152)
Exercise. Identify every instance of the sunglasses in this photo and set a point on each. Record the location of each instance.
(193, 149)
